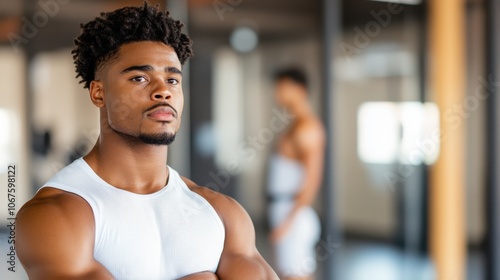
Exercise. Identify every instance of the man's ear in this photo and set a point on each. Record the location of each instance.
(96, 91)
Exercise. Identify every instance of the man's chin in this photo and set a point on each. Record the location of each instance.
(158, 139)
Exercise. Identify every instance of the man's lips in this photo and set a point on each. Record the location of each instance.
(163, 113)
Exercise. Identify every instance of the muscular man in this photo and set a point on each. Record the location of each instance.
(295, 178)
(120, 212)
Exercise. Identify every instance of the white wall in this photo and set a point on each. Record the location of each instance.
(63, 107)
(12, 73)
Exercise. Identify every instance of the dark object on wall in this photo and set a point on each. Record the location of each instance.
(41, 142)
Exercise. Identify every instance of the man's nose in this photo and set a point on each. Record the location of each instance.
(161, 91)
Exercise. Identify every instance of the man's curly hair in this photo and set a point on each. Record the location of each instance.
(101, 38)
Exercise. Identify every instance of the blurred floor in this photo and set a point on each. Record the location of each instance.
(365, 260)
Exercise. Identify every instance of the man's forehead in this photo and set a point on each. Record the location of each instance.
(156, 54)
(148, 51)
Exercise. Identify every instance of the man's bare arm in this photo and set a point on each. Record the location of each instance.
(55, 238)
(240, 259)
(205, 275)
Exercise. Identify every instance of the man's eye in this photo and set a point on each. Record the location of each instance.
(173, 81)
(138, 79)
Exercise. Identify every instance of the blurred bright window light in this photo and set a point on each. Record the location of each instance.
(404, 132)
(5, 141)
(406, 2)
(228, 105)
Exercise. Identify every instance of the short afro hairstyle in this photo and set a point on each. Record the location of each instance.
(292, 73)
(101, 38)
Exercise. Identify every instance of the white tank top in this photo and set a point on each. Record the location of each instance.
(168, 234)
(285, 176)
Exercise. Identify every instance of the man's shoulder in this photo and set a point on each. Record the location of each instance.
(227, 207)
(54, 206)
(310, 125)
(51, 196)
(54, 233)
(213, 197)
(309, 132)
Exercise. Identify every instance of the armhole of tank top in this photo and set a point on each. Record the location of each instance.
(212, 210)
(90, 202)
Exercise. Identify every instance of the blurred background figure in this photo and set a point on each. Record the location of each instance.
(295, 176)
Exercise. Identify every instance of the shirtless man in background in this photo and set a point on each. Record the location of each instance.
(120, 212)
(295, 177)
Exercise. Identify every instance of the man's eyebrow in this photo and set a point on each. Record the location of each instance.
(144, 68)
(173, 70)
(149, 68)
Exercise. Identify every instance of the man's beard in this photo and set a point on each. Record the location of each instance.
(157, 138)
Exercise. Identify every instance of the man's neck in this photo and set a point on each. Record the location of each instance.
(302, 111)
(131, 166)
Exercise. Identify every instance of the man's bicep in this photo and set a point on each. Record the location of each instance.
(51, 243)
(240, 257)
(205, 275)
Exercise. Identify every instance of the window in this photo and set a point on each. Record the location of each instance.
(405, 132)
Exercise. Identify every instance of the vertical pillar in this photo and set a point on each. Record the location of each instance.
(179, 152)
(447, 74)
(492, 145)
(30, 51)
(332, 22)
